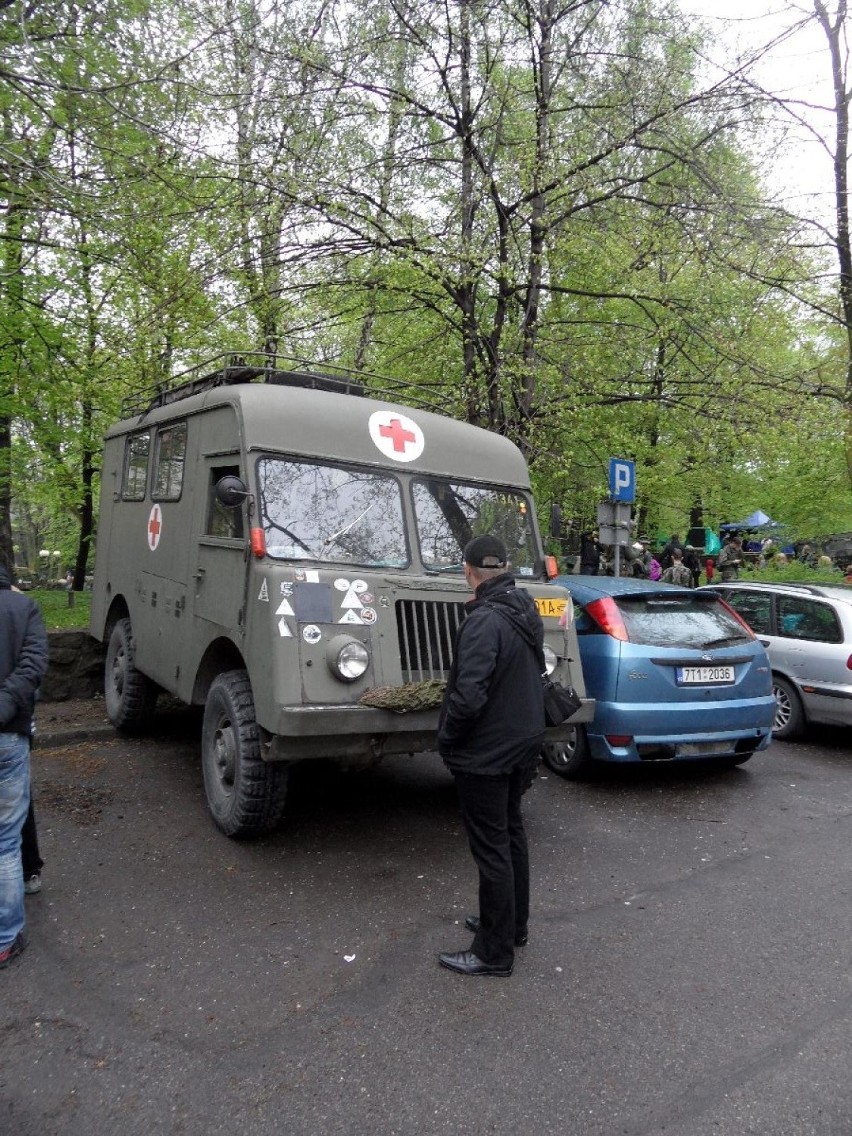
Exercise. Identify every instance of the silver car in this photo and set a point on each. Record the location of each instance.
(807, 632)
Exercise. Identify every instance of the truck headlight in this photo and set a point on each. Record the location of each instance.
(550, 659)
(347, 658)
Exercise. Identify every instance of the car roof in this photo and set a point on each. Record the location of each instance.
(788, 587)
(586, 589)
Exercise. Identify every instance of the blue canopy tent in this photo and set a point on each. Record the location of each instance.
(756, 520)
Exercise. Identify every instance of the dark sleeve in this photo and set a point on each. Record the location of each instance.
(476, 659)
(18, 690)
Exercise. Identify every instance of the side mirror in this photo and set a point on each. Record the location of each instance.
(555, 521)
(231, 491)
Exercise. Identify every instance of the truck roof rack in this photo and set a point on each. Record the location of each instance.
(231, 370)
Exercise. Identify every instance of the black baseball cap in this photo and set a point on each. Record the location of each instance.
(486, 551)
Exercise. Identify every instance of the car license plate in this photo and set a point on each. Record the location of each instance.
(546, 606)
(704, 676)
(701, 749)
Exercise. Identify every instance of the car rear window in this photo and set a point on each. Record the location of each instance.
(679, 621)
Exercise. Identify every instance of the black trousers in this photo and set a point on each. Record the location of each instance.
(30, 858)
(491, 811)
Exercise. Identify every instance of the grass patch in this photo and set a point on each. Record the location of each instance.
(56, 613)
(793, 573)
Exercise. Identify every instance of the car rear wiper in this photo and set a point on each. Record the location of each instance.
(736, 637)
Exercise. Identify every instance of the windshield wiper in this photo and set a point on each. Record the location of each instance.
(330, 541)
(288, 532)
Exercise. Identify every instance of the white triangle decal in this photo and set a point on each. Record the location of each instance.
(351, 599)
(263, 594)
(351, 617)
(284, 608)
(283, 629)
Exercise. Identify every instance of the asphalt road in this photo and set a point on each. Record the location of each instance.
(689, 970)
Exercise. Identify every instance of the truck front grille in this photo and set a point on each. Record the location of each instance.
(426, 631)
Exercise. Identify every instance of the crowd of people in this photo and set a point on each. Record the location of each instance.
(684, 564)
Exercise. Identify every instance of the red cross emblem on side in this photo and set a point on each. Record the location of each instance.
(155, 527)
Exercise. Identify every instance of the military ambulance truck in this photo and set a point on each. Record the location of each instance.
(276, 547)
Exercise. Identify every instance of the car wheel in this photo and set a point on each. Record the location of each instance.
(569, 758)
(245, 794)
(129, 695)
(789, 717)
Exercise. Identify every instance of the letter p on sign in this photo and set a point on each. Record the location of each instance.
(622, 479)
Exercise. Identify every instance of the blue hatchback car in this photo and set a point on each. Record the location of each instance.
(675, 676)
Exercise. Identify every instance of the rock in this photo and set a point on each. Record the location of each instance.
(76, 668)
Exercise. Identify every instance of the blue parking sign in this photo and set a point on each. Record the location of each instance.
(622, 479)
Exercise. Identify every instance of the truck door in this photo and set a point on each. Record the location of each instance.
(219, 568)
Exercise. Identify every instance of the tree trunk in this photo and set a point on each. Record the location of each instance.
(835, 32)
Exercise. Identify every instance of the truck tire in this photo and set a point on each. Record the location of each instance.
(570, 758)
(245, 795)
(129, 695)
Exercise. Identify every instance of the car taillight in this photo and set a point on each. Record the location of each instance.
(733, 611)
(619, 739)
(609, 619)
(849, 663)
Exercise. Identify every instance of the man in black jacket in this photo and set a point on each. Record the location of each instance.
(23, 662)
(489, 735)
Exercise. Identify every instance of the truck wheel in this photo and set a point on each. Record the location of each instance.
(245, 794)
(569, 758)
(128, 694)
(789, 717)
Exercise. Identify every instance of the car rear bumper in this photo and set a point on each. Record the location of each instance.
(681, 733)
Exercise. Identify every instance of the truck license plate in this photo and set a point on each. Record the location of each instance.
(550, 607)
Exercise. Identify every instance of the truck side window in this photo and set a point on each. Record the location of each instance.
(171, 452)
(222, 521)
(135, 480)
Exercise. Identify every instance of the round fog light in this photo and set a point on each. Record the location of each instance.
(550, 659)
(347, 658)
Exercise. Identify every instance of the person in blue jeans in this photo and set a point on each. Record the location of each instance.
(23, 662)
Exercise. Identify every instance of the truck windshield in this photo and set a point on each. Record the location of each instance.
(331, 514)
(449, 514)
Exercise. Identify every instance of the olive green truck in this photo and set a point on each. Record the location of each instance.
(284, 550)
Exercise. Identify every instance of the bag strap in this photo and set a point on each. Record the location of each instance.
(522, 632)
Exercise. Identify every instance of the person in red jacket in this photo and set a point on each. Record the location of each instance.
(490, 733)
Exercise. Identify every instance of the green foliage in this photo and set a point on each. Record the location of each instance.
(57, 615)
(548, 227)
(794, 572)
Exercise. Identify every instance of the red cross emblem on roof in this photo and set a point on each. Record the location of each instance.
(155, 526)
(396, 436)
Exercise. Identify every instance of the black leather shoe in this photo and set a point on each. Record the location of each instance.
(466, 962)
(472, 924)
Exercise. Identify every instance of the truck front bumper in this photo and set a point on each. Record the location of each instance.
(364, 733)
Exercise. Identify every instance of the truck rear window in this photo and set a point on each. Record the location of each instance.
(135, 481)
(331, 514)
